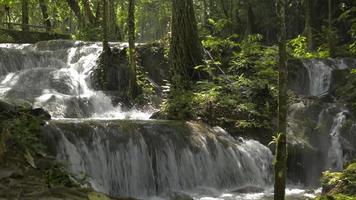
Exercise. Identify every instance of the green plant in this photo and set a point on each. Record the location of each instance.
(297, 47)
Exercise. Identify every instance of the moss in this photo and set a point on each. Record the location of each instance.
(340, 183)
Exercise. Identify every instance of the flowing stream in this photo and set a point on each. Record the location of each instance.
(122, 153)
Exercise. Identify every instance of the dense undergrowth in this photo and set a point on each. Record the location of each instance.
(240, 91)
(339, 185)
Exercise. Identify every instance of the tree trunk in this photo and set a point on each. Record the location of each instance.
(186, 48)
(46, 20)
(330, 30)
(132, 56)
(25, 17)
(114, 28)
(88, 12)
(106, 48)
(98, 12)
(250, 21)
(308, 27)
(281, 146)
(73, 4)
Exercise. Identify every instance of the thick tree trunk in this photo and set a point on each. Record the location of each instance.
(25, 17)
(46, 20)
(186, 48)
(132, 53)
(281, 146)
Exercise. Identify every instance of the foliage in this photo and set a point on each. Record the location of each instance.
(20, 131)
(57, 175)
(298, 48)
(147, 89)
(340, 184)
(240, 93)
(347, 93)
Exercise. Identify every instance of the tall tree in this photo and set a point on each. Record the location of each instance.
(106, 48)
(88, 12)
(25, 17)
(308, 24)
(280, 167)
(46, 20)
(114, 30)
(73, 4)
(132, 56)
(186, 48)
(330, 30)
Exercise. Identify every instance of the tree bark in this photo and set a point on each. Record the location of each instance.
(46, 20)
(88, 12)
(25, 17)
(330, 31)
(308, 27)
(186, 49)
(106, 48)
(114, 28)
(132, 53)
(73, 4)
(281, 146)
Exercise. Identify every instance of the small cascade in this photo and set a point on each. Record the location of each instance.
(55, 75)
(319, 77)
(145, 158)
(320, 73)
(335, 159)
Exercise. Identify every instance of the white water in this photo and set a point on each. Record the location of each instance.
(143, 159)
(55, 75)
(139, 161)
(320, 74)
(335, 153)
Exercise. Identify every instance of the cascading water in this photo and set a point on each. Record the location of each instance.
(123, 157)
(320, 73)
(335, 154)
(318, 124)
(55, 75)
(143, 158)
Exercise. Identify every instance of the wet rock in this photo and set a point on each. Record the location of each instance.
(40, 113)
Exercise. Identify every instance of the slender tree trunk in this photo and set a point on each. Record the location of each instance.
(73, 4)
(46, 20)
(106, 48)
(132, 53)
(186, 48)
(330, 30)
(25, 16)
(98, 12)
(250, 21)
(114, 27)
(308, 21)
(281, 146)
(88, 12)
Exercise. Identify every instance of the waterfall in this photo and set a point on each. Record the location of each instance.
(55, 75)
(320, 73)
(145, 158)
(335, 154)
(319, 76)
(123, 157)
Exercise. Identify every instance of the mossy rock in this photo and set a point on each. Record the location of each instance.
(340, 182)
